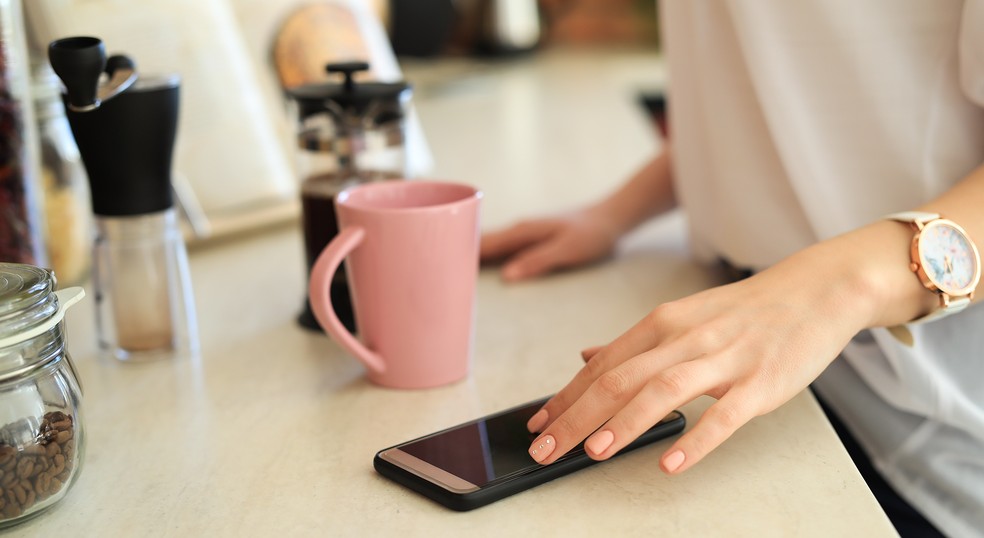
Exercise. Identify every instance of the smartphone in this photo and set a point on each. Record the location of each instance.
(479, 462)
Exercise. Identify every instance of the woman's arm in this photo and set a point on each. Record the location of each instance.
(752, 345)
(535, 247)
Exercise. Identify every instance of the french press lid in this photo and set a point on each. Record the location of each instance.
(352, 97)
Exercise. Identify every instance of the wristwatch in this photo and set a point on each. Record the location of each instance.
(944, 258)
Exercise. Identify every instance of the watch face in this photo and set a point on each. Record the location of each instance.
(949, 258)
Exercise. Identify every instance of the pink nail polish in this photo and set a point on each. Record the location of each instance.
(542, 448)
(537, 421)
(511, 272)
(599, 442)
(673, 461)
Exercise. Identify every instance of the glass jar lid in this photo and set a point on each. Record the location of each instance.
(26, 298)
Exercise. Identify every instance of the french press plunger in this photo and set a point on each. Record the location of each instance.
(347, 134)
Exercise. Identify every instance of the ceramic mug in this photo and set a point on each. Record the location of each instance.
(411, 249)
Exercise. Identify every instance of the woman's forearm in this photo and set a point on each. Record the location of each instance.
(648, 193)
(873, 261)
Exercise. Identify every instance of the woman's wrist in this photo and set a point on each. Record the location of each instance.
(870, 275)
(649, 192)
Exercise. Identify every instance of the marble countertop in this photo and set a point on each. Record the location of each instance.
(272, 431)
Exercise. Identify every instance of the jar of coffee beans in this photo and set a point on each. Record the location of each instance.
(41, 435)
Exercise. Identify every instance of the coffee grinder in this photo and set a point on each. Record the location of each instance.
(125, 129)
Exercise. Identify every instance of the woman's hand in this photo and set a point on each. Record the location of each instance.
(535, 247)
(752, 345)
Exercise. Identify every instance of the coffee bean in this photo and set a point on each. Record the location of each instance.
(6, 454)
(57, 416)
(59, 464)
(11, 511)
(62, 425)
(25, 467)
(35, 471)
(42, 483)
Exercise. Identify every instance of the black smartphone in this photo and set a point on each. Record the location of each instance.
(479, 462)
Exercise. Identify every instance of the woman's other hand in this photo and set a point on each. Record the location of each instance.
(534, 247)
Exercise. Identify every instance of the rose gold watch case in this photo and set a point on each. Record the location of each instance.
(927, 281)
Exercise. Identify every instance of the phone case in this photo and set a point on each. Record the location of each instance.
(510, 485)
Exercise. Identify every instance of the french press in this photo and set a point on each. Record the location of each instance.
(347, 134)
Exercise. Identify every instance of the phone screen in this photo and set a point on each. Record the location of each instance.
(484, 460)
(482, 451)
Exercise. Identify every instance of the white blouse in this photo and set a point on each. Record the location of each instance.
(794, 121)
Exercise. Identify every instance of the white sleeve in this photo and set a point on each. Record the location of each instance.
(972, 51)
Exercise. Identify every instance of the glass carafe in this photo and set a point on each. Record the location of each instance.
(347, 134)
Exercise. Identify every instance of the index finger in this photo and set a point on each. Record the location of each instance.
(503, 243)
(643, 336)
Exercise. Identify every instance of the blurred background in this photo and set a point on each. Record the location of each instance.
(435, 27)
(235, 158)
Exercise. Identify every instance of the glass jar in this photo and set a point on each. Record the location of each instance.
(66, 192)
(20, 221)
(41, 435)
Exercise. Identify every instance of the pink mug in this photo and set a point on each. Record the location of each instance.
(412, 263)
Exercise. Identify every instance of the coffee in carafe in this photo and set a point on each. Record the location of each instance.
(347, 134)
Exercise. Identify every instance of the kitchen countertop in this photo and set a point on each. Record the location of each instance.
(272, 430)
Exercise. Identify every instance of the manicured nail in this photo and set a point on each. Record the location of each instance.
(512, 272)
(673, 462)
(542, 447)
(599, 442)
(537, 421)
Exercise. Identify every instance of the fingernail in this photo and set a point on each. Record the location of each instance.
(537, 421)
(673, 462)
(599, 442)
(512, 272)
(542, 448)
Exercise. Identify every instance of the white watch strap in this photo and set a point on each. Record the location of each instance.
(955, 305)
(918, 217)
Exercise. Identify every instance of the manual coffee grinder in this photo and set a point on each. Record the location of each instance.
(125, 128)
(348, 133)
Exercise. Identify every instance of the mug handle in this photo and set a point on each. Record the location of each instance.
(319, 292)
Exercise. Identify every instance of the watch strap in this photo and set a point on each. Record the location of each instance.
(919, 218)
(954, 306)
